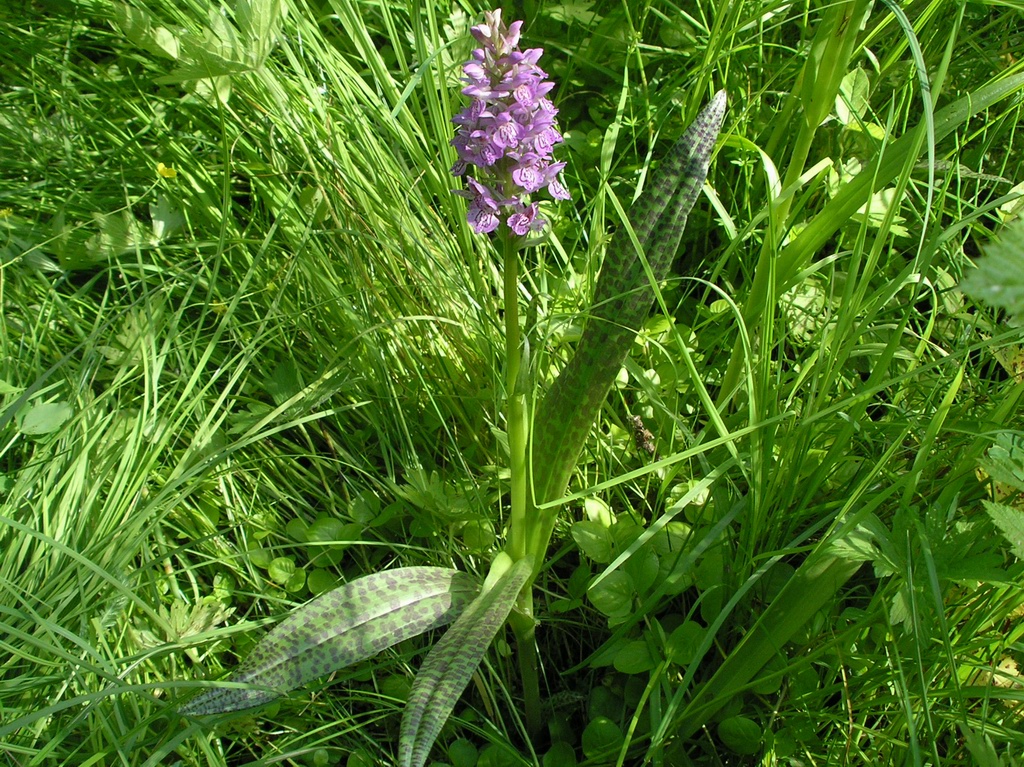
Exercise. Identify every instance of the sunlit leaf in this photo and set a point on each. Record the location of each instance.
(344, 626)
(138, 27)
(613, 594)
(450, 665)
(594, 540)
(260, 22)
(622, 300)
(45, 418)
(1010, 522)
(166, 218)
(853, 100)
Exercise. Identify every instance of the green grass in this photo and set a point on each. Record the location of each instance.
(226, 388)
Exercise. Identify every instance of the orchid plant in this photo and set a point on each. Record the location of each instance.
(505, 141)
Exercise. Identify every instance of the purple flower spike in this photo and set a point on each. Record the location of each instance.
(506, 135)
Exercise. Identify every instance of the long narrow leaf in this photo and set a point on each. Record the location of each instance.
(450, 665)
(622, 300)
(344, 626)
(815, 582)
(853, 195)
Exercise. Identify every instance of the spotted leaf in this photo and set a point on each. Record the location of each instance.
(451, 663)
(344, 626)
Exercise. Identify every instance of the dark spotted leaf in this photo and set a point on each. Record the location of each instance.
(344, 626)
(450, 665)
(622, 300)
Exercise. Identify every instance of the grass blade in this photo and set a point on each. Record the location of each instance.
(851, 197)
(815, 582)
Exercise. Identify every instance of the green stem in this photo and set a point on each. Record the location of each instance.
(819, 84)
(521, 527)
(517, 420)
(524, 627)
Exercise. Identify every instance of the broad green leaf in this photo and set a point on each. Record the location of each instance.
(260, 22)
(450, 665)
(999, 278)
(138, 27)
(594, 540)
(296, 582)
(281, 569)
(1010, 522)
(644, 568)
(297, 530)
(740, 734)
(321, 581)
(561, 754)
(854, 99)
(598, 511)
(494, 756)
(463, 753)
(682, 644)
(672, 539)
(45, 418)
(344, 626)
(165, 218)
(634, 657)
(478, 534)
(613, 594)
(601, 737)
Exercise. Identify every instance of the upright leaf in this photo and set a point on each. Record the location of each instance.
(344, 626)
(450, 665)
(622, 300)
(815, 582)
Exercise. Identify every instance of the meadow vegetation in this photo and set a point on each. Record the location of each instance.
(250, 349)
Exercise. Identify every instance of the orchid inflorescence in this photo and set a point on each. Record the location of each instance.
(507, 132)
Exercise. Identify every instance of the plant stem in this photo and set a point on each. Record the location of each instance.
(517, 420)
(524, 627)
(521, 526)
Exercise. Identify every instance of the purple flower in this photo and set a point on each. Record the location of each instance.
(508, 131)
(523, 222)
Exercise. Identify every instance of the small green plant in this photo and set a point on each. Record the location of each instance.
(505, 140)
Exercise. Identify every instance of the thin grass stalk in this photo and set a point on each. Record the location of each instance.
(794, 256)
(822, 75)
